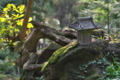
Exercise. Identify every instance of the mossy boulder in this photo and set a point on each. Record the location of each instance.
(57, 55)
(76, 62)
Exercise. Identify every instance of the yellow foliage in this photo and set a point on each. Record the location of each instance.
(29, 25)
(2, 19)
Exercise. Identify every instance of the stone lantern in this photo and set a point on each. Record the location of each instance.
(84, 27)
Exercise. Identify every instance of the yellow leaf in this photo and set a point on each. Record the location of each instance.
(1, 39)
(2, 19)
(30, 19)
(6, 15)
(28, 31)
(11, 6)
(29, 25)
(5, 10)
(19, 22)
(11, 31)
(10, 41)
(14, 43)
(8, 21)
(10, 26)
(21, 8)
(15, 15)
(16, 30)
(13, 63)
(8, 6)
(22, 15)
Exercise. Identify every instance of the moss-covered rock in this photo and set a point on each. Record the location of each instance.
(76, 62)
(57, 55)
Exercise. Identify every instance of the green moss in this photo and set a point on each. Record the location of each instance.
(2, 75)
(57, 54)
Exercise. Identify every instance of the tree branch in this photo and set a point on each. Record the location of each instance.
(31, 63)
(41, 31)
(25, 22)
(52, 34)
